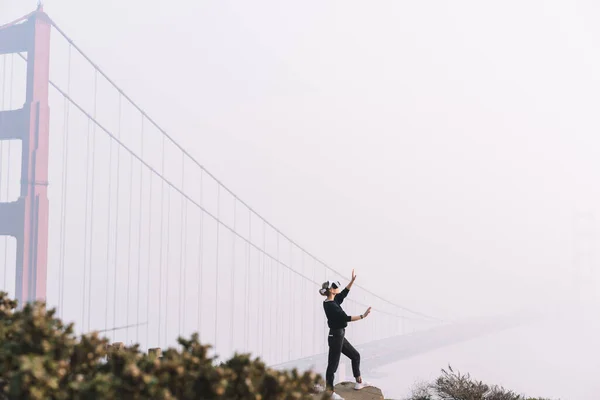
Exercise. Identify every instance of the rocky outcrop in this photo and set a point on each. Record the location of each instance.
(346, 390)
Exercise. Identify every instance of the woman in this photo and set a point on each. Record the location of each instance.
(337, 320)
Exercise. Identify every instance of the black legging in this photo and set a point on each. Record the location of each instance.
(338, 344)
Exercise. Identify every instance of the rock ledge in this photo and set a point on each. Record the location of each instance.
(346, 390)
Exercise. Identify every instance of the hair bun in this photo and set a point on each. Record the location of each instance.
(322, 291)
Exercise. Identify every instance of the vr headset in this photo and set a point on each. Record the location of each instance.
(333, 285)
(330, 285)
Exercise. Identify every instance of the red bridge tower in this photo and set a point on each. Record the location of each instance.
(26, 219)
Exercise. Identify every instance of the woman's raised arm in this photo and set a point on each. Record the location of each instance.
(352, 281)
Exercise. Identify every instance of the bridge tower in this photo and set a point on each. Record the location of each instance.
(26, 219)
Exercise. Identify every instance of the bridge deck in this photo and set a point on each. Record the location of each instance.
(386, 351)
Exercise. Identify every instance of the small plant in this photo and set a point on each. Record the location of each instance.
(421, 391)
(453, 385)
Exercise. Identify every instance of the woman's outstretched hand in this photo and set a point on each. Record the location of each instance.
(351, 281)
(367, 312)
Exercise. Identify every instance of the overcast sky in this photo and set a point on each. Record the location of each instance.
(440, 148)
(446, 150)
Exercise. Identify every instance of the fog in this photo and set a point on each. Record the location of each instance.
(447, 151)
(551, 359)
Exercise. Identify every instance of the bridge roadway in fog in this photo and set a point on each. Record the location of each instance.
(386, 351)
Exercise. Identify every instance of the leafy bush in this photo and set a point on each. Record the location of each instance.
(451, 385)
(41, 358)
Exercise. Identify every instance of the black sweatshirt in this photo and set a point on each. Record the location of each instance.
(336, 317)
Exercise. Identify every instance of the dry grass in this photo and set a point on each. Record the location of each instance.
(453, 385)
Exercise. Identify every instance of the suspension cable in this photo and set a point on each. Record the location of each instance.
(279, 285)
(314, 338)
(162, 209)
(200, 256)
(85, 226)
(274, 267)
(303, 290)
(167, 308)
(182, 246)
(149, 258)
(139, 255)
(92, 197)
(220, 223)
(217, 268)
(108, 222)
(293, 305)
(63, 208)
(264, 281)
(117, 230)
(197, 163)
(233, 237)
(246, 291)
(129, 234)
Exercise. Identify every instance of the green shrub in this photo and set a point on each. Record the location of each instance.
(41, 358)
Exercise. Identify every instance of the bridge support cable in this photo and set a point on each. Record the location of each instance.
(63, 200)
(264, 291)
(92, 202)
(247, 296)
(314, 330)
(108, 243)
(273, 273)
(117, 214)
(85, 226)
(150, 213)
(283, 302)
(232, 290)
(269, 286)
(277, 297)
(129, 236)
(200, 257)
(303, 300)
(182, 250)
(285, 292)
(168, 270)
(139, 254)
(162, 209)
(217, 269)
(283, 299)
(292, 325)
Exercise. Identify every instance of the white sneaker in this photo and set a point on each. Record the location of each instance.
(364, 384)
(335, 396)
